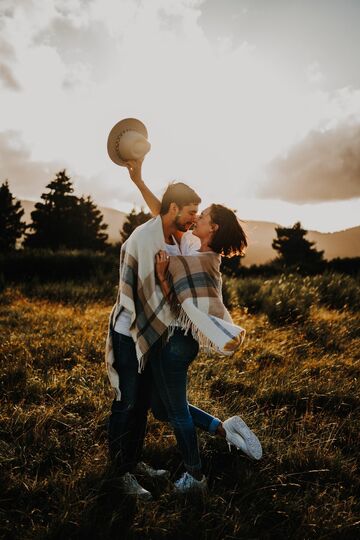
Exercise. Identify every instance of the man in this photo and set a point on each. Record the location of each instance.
(129, 371)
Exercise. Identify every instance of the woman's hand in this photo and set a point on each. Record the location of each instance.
(161, 264)
(134, 168)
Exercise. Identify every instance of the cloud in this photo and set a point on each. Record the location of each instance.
(216, 112)
(83, 45)
(7, 55)
(7, 78)
(313, 73)
(324, 166)
(27, 178)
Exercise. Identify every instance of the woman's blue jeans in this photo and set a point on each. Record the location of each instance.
(169, 366)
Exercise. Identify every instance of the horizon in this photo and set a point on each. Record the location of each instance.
(237, 103)
(270, 222)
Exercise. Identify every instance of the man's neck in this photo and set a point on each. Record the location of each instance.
(170, 231)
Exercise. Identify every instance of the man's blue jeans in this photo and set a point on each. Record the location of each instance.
(128, 419)
(169, 365)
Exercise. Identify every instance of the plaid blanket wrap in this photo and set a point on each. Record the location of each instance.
(140, 294)
(196, 281)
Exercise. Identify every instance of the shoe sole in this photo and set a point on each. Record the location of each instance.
(251, 441)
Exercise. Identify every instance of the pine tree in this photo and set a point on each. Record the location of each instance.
(92, 228)
(133, 220)
(51, 223)
(11, 226)
(294, 249)
(64, 220)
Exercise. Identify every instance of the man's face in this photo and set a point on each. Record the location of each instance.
(186, 217)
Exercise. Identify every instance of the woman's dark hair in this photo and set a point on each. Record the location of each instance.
(180, 194)
(229, 239)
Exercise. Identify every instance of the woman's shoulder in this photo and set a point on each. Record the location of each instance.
(189, 244)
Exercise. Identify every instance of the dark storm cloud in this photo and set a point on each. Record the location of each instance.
(325, 166)
(27, 178)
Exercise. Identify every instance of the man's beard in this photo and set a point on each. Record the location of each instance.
(183, 227)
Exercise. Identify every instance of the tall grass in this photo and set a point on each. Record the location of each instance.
(289, 297)
(296, 385)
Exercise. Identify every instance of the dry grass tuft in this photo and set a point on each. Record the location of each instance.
(295, 382)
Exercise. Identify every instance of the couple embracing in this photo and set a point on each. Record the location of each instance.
(169, 304)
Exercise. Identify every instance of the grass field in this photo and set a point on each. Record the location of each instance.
(295, 382)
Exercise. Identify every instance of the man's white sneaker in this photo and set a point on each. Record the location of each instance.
(241, 436)
(130, 486)
(145, 470)
(189, 483)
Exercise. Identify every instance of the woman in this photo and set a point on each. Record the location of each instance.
(218, 232)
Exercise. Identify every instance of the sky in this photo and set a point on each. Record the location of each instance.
(254, 103)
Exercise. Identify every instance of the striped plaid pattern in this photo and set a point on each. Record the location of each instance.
(197, 285)
(140, 294)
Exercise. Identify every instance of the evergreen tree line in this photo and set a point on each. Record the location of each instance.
(63, 221)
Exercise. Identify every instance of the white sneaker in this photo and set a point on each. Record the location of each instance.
(189, 483)
(241, 436)
(130, 486)
(145, 470)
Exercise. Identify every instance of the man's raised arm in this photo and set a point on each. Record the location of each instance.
(134, 168)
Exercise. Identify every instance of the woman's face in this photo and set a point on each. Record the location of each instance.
(203, 227)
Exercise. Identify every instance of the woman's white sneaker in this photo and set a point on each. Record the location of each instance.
(241, 436)
(189, 483)
(130, 486)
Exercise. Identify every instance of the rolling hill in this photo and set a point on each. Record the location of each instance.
(260, 235)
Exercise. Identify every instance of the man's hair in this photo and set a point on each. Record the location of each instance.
(180, 194)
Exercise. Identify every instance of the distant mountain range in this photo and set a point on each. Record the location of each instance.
(260, 236)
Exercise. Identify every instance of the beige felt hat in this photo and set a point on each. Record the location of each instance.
(128, 140)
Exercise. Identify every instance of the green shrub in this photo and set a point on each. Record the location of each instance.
(338, 291)
(228, 291)
(288, 299)
(249, 293)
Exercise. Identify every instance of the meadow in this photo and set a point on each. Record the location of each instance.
(295, 382)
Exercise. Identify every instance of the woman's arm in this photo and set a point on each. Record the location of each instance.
(134, 168)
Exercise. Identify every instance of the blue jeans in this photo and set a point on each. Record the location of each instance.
(169, 366)
(128, 419)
